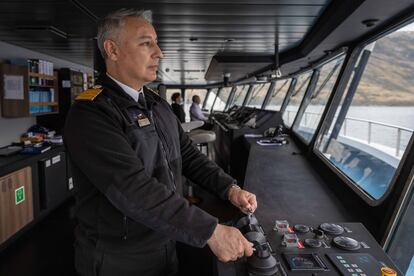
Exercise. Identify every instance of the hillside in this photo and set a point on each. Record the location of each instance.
(389, 76)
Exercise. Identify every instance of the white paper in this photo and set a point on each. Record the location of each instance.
(13, 87)
(56, 159)
(66, 84)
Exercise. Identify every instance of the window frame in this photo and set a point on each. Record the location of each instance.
(230, 99)
(348, 67)
(248, 94)
(305, 102)
(337, 54)
(217, 95)
(292, 90)
(206, 99)
(269, 92)
(243, 85)
(251, 94)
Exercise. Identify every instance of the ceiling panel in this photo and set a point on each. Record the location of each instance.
(190, 32)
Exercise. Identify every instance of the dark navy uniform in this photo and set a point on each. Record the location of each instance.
(128, 159)
(178, 111)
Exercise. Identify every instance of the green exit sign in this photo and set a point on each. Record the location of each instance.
(19, 195)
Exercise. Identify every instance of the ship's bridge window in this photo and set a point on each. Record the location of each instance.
(328, 73)
(296, 98)
(258, 94)
(209, 101)
(239, 95)
(221, 99)
(278, 94)
(374, 122)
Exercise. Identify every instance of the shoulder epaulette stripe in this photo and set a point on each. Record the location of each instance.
(90, 94)
(153, 91)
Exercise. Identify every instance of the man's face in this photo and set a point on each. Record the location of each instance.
(138, 51)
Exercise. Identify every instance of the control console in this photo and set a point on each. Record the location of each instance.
(299, 249)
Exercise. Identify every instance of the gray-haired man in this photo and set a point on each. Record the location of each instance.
(128, 153)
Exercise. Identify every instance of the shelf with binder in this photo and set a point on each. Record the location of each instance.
(44, 104)
(71, 84)
(44, 76)
(43, 94)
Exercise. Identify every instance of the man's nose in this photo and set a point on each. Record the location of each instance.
(159, 53)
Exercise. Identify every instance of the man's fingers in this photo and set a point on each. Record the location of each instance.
(252, 202)
(248, 248)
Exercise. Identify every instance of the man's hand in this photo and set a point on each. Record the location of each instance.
(242, 199)
(228, 244)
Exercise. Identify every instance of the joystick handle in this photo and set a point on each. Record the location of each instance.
(262, 250)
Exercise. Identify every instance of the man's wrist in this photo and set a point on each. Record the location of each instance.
(232, 188)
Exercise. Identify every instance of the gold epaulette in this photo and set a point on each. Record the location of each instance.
(153, 91)
(90, 94)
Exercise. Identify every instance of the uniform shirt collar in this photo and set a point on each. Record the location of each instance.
(127, 89)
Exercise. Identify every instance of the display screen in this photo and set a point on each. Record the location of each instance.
(304, 262)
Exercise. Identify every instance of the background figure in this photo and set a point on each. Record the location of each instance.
(195, 111)
(197, 115)
(177, 107)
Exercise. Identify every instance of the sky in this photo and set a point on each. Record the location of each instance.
(408, 28)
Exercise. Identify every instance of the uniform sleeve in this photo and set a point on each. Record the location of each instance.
(97, 145)
(201, 170)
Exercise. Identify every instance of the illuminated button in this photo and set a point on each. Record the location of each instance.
(350, 270)
(346, 265)
(354, 265)
(358, 270)
(387, 271)
(339, 257)
(343, 261)
(354, 274)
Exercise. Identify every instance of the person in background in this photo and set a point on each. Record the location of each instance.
(177, 107)
(195, 111)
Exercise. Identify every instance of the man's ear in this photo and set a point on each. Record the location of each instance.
(111, 50)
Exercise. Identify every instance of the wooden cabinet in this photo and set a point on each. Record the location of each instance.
(16, 202)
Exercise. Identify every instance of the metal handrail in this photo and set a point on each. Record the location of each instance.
(370, 123)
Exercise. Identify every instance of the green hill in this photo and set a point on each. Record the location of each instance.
(389, 76)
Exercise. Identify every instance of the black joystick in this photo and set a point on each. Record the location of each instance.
(246, 220)
(263, 251)
(262, 261)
